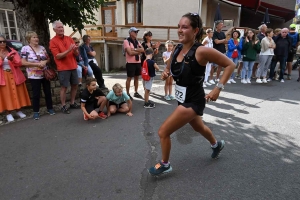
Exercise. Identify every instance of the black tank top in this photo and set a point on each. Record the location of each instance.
(191, 76)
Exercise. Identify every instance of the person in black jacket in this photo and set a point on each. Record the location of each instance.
(283, 47)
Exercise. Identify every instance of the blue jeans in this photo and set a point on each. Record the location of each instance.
(247, 68)
(79, 70)
(235, 60)
(282, 61)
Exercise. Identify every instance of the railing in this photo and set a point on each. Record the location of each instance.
(119, 32)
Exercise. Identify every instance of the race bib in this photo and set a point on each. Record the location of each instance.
(180, 93)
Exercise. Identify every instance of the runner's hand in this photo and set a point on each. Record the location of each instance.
(213, 95)
(164, 75)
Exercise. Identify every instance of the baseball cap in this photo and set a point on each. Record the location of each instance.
(133, 29)
(293, 26)
(149, 51)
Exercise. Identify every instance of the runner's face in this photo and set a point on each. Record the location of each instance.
(185, 31)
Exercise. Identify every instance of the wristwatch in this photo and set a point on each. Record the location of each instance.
(220, 86)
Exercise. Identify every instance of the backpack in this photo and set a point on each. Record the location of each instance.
(123, 49)
(294, 39)
(145, 72)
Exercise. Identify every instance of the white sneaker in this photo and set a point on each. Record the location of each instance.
(10, 118)
(217, 80)
(204, 85)
(212, 82)
(269, 80)
(232, 80)
(207, 83)
(264, 80)
(258, 80)
(244, 81)
(228, 82)
(21, 115)
(248, 80)
(282, 81)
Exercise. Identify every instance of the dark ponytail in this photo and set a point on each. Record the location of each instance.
(196, 22)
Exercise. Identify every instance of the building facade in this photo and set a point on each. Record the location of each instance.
(8, 21)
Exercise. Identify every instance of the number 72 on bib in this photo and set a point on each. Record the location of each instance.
(180, 93)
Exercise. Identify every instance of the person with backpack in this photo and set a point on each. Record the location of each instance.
(187, 67)
(133, 50)
(295, 43)
(149, 67)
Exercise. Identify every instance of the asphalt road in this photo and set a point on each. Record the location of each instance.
(65, 157)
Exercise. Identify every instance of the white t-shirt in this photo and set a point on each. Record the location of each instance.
(210, 42)
(167, 55)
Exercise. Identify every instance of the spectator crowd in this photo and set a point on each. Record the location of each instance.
(255, 54)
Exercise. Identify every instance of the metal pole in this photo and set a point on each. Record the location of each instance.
(200, 8)
(106, 61)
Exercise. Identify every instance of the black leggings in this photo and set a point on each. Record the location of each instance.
(97, 73)
(36, 93)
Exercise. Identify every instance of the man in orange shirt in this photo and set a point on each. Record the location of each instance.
(64, 51)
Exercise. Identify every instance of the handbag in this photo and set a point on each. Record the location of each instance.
(49, 73)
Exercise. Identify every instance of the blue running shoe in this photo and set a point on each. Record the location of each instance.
(51, 112)
(36, 115)
(159, 169)
(218, 149)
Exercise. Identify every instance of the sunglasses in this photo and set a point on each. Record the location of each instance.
(194, 14)
(2, 42)
(136, 32)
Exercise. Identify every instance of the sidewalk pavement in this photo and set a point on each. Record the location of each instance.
(110, 80)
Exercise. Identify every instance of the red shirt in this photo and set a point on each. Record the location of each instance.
(59, 45)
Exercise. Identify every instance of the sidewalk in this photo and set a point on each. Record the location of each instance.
(109, 82)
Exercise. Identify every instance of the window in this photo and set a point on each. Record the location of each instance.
(134, 11)
(8, 24)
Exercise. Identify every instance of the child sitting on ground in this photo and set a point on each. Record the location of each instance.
(92, 100)
(116, 101)
(152, 66)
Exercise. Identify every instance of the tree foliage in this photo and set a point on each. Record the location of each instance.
(74, 13)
